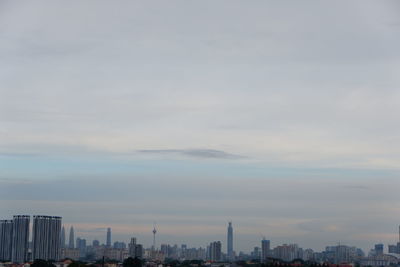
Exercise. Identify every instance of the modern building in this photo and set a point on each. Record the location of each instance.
(256, 254)
(70, 253)
(108, 244)
(132, 247)
(81, 246)
(265, 249)
(20, 238)
(96, 243)
(62, 238)
(6, 234)
(215, 251)
(379, 249)
(230, 253)
(139, 251)
(287, 252)
(71, 243)
(46, 233)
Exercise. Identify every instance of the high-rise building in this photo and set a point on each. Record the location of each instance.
(215, 251)
(46, 233)
(71, 238)
(256, 254)
(6, 231)
(81, 246)
(230, 242)
(20, 239)
(96, 243)
(132, 247)
(379, 249)
(265, 248)
(62, 238)
(139, 251)
(108, 237)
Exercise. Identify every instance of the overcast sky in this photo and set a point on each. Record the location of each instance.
(282, 116)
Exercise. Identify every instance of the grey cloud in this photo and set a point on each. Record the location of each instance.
(198, 153)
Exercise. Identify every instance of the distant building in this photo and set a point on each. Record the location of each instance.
(265, 249)
(215, 251)
(46, 233)
(96, 243)
(341, 254)
(287, 252)
(119, 245)
(81, 246)
(379, 249)
(139, 251)
(20, 240)
(230, 254)
(132, 247)
(62, 238)
(256, 254)
(108, 244)
(6, 234)
(71, 238)
(70, 253)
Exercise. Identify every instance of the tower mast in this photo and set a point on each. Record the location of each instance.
(154, 237)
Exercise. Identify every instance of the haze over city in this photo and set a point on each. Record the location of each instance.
(282, 118)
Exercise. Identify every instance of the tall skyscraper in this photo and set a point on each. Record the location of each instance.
(62, 238)
(71, 238)
(108, 237)
(6, 231)
(230, 242)
(265, 248)
(46, 233)
(20, 239)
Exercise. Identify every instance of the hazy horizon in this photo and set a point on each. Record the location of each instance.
(278, 116)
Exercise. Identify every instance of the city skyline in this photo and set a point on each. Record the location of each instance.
(47, 243)
(277, 116)
(55, 231)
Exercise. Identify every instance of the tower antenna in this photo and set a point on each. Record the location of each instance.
(154, 236)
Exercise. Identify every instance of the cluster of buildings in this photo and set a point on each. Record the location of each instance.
(15, 233)
(48, 242)
(81, 250)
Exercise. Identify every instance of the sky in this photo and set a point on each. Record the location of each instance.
(279, 116)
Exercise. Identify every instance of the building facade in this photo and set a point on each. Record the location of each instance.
(20, 238)
(62, 238)
(215, 251)
(265, 249)
(6, 234)
(71, 243)
(46, 233)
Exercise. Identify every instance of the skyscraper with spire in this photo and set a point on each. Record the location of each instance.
(230, 242)
(71, 243)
